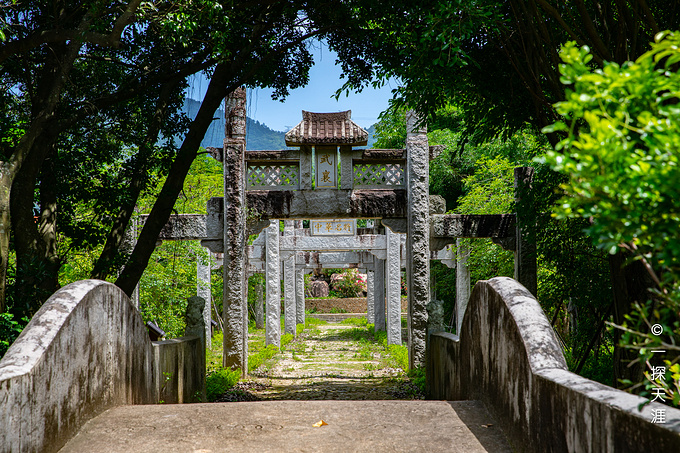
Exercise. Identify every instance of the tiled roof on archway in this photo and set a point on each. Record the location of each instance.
(335, 128)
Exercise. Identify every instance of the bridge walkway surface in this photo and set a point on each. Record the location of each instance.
(378, 426)
(331, 372)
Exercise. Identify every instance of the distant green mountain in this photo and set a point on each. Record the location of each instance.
(258, 135)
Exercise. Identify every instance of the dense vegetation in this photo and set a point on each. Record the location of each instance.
(93, 94)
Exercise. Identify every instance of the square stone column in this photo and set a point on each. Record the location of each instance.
(289, 294)
(393, 287)
(418, 239)
(289, 280)
(462, 282)
(273, 283)
(379, 294)
(259, 305)
(300, 296)
(203, 290)
(235, 312)
(370, 294)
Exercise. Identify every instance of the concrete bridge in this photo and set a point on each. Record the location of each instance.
(83, 376)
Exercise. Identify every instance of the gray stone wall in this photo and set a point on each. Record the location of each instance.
(86, 350)
(181, 372)
(508, 357)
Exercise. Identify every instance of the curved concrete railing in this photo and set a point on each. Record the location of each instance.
(508, 357)
(85, 350)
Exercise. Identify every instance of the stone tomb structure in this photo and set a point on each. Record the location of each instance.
(326, 177)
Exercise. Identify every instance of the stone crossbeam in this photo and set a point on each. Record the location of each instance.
(472, 226)
(180, 227)
(337, 243)
(330, 204)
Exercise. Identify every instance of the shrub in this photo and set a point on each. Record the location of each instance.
(219, 382)
(349, 283)
(9, 331)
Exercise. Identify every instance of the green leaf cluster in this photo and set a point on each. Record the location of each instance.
(620, 152)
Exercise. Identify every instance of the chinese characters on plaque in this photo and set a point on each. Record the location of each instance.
(326, 167)
(333, 227)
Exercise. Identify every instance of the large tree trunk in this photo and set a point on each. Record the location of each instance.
(630, 283)
(107, 259)
(162, 208)
(37, 264)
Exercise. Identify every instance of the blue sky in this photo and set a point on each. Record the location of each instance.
(324, 80)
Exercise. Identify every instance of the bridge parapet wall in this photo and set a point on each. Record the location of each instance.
(86, 350)
(508, 357)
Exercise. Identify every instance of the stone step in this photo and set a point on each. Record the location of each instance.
(377, 426)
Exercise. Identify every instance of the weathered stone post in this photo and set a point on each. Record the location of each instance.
(196, 326)
(300, 296)
(235, 353)
(259, 309)
(525, 255)
(462, 282)
(289, 279)
(418, 239)
(379, 294)
(273, 282)
(370, 294)
(393, 287)
(203, 290)
(300, 281)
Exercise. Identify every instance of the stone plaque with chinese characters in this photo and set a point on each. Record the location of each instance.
(326, 167)
(346, 227)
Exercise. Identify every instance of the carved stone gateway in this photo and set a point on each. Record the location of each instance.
(298, 184)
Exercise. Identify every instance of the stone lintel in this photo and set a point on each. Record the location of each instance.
(333, 204)
(472, 226)
(336, 243)
(181, 227)
(272, 155)
(327, 204)
(383, 154)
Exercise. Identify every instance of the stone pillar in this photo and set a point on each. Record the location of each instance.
(259, 309)
(346, 170)
(370, 294)
(196, 326)
(273, 282)
(235, 314)
(393, 287)
(203, 290)
(300, 296)
(305, 167)
(462, 282)
(289, 279)
(525, 254)
(379, 294)
(418, 239)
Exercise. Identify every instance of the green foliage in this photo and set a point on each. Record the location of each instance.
(620, 156)
(9, 331)
(360, 322)
(417, 376)
(219, 382)
(256, 360)
(622, 161)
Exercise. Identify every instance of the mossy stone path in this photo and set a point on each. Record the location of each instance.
(332, 362)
